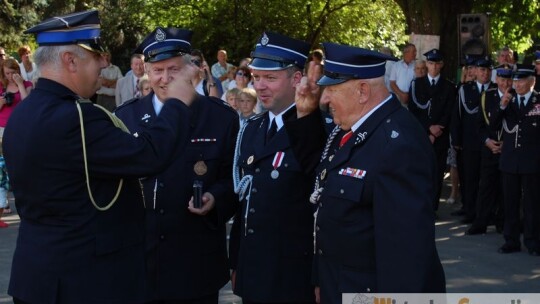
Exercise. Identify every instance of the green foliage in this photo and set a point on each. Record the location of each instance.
(513, 23)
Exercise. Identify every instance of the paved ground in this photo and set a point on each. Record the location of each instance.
(471, 263)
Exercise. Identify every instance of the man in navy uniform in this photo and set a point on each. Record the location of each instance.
(519, 113)
(431, 101)
(74, 174)
(489, 201)
(271, 242)
(465, 137)
(374, 228)
(186, 251)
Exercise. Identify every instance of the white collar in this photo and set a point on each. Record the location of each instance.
(431, 78)
(365, 117)
(278, 118)
(158, 104)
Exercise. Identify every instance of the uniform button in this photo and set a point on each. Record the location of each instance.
(250, 231)
(368, 289)
(161, 211)
(257, 170)
(320, 252)
(341, 191)
(162, 237)
(254, 190)
(519, 145)
(161, 185)
(317, 228)
(286, 165)
(252, 210)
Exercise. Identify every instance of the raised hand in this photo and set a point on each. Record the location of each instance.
(308, 92)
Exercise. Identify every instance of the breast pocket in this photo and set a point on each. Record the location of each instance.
(203, 160)
(343, 196)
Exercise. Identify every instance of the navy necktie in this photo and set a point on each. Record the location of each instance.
(272, 131)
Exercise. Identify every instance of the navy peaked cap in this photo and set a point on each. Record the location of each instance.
(483, 62)
(470, 60)
(345, 62)
(165, 43)
(81, 28)
(277, 52)
(523, 71)
(504, 71)
(433, 55)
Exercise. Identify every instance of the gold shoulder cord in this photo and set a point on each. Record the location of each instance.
(117, 123)
(483, 102)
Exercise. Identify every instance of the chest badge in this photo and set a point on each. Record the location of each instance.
(250, 160)
(200, 168)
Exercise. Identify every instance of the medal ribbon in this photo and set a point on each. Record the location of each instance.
(278, 159)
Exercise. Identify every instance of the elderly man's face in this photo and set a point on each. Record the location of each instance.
(162, 73)
(503, 83)
(523, 85)
(342, 103)
(137, 66)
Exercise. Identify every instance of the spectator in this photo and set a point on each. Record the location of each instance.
(144, 86)
(220, 68)
(247, 99)
(389, 64)
(108, 77)
(403, 74)
(27, 66)
(242, 79)
(205, 84)
(127, 86)
(231, 97)
(420, 68)
(505, 55)
(231, 73)
(244, 62)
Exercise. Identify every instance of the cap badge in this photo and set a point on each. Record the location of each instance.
(160, 35)
(264, 39)
(394, 134)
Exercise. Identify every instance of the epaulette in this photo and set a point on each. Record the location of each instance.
(126, 103)
(222, 103)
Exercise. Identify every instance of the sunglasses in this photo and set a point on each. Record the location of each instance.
(241, 74)
(196, 62)
(3, 55)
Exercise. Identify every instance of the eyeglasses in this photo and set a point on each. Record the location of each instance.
(241, 74)
(196, 62)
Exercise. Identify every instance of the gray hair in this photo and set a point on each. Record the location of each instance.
(50, 55)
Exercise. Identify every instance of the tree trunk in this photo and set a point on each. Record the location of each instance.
(437, 17)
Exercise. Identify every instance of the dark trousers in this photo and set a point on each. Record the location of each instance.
(489, 201)
(524, 189)
(211, 299)
(469, 177)
(441, 154)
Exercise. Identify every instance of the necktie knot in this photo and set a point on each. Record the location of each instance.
(345, 138)
(521, 101)
(482, 88)
(433, 82)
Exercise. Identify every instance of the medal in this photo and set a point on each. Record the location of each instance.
(250, 160)
(200, 168)
(276, 163)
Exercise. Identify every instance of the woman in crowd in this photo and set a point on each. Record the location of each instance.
(27, 66)
(13, 89)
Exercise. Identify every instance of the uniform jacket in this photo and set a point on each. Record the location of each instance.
(464, 129)
(186, 253)
(433, 106)
(487, 127)
(67, 251)
(125, 89)
(375, 225)
(272, 249)
(521, 146)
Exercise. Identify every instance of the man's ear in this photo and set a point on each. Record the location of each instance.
(364, 91)
(69, 61)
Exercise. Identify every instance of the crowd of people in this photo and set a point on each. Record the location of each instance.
(303, 149)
